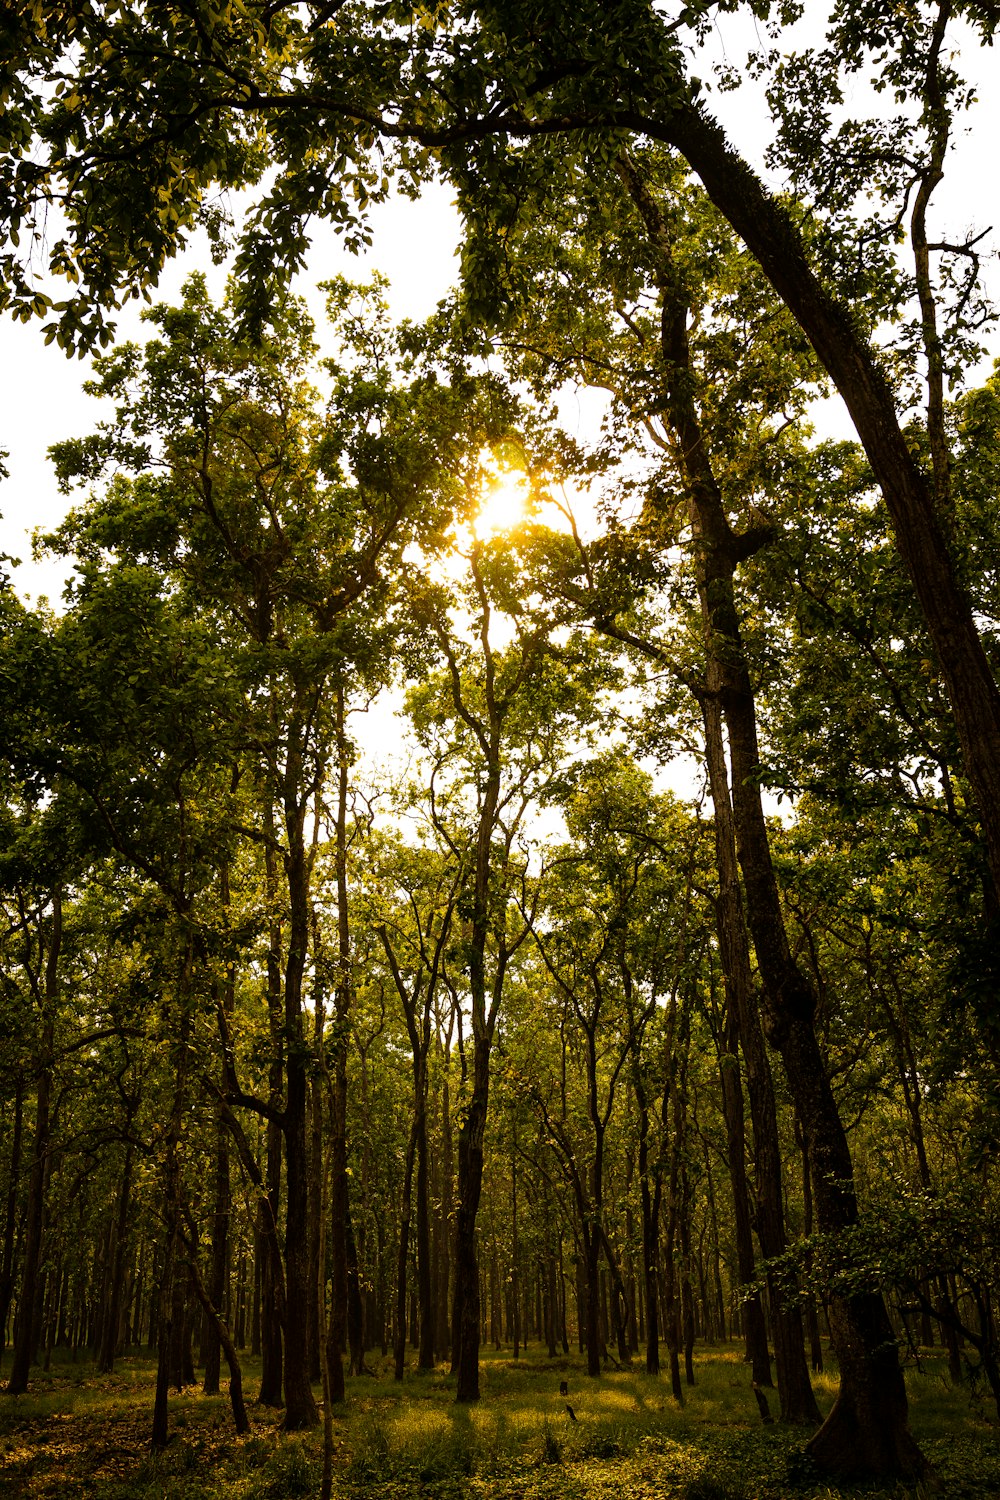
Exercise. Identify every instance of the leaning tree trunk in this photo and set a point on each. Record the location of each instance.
(240, 1419)
(219, 1264)
(921, 539)
(650, 1247)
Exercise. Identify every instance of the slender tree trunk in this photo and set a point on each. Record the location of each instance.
(10, 1215)
(113, 1312)
(446, 1229)
(269, 1326)
(425, 1285)
(687, 1298)
(515, 1252)
(355, 1304)
(343, 996)
(443, 1340)
(732, 1106)
(812, 1317)
(403, 1258)
(592, 1288)
(300, 1405)
(165, 1301)
(240, 1419)
(219, 1263)
(465, 1330)
(316, 1170)
(27, 1325)
(650, 1271)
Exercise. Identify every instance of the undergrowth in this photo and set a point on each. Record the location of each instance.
(618, 1438)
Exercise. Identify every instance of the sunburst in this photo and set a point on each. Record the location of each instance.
(503, 505)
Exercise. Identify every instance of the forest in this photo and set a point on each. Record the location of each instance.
(500, 958)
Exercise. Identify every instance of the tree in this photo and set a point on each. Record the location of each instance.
(492, 722)
(415, 938)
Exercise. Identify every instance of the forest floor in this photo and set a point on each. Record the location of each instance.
(79, 1436)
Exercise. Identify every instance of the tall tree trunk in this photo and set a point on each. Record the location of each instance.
(754, 1329)
(316, 1173)
(798, 1403)
(403, 1257)
(355, 1304)
(27, 1325)
(219, 1263)
(113, 1312)
(165, 1300)
(269, 1325)
(10, 1214)
(343, 995)
(443, 1339)
(465, 1330)
(300, 1405)
(649, 1200)
(240, 1419)
(425, 1285)
(811, 1314)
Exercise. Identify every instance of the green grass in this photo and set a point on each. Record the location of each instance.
(77, 1435)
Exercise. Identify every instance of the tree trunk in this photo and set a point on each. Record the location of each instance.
(165, 1301)
(754, 1330)
(465, 1327)
(425, 1284)
(343, 996)
(300, 1405)
(269, 1327)
(443, 1339)
(27, 1325)
(10, 1216)
(355, 1305)
(316, 1170)
(240, 1419)
(113, 1312)
(798, 1403)
(403, 1257)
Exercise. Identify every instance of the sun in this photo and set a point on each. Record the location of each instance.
(503, 505)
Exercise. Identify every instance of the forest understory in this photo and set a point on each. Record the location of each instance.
(82, 1434)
